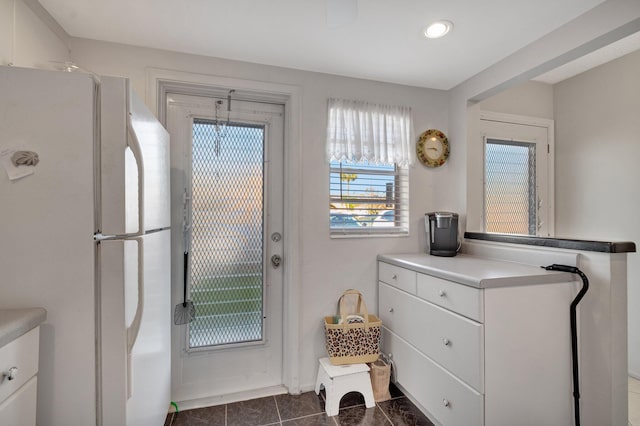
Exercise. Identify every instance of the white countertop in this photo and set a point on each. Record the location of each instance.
(476, 271)
(16, 322)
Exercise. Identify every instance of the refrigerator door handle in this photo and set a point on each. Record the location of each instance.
(134, 329)
(136, 150)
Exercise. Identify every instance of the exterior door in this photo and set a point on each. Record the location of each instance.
(227, 217)
(517, 187)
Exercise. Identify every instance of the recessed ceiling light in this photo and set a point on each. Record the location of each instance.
(438, 29)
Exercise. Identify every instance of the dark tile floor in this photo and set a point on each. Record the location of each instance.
(304, 410)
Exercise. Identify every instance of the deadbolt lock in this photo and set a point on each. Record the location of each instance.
(276, 260)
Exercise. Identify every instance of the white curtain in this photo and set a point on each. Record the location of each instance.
(364, 132)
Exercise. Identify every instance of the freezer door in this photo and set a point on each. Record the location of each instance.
(134, 163)
(153, 142)
(135, 329)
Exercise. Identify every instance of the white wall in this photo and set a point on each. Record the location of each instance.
(597, 173)
(531, 99)
(328, 266)
(27, 38)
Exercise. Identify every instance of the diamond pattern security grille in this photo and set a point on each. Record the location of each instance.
(226, 251)
(510, 187)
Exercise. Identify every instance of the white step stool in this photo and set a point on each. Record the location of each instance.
(338, 380)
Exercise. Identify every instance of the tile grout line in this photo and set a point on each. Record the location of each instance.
(384, 413)
(305, 416)
(275, 401)
(333, 418)
(319, 413)
(335, 422)
(323, 396)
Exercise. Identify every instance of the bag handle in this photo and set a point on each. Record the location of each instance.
(361, 308)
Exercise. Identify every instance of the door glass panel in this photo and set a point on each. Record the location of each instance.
(226, 250)
(510, 187)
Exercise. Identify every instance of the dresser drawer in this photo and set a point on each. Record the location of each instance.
(401, 278)
(459, 298)
(454, 342)
(20, 407)
(21, 353)
(446, 398)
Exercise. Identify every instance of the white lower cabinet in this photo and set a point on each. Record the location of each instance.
(479, 356)
(447, 398)
(455, 342)
(18, 380)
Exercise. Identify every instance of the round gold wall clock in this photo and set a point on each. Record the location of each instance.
(432, 148)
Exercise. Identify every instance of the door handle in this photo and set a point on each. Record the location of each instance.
(132, 331)
(276, 260)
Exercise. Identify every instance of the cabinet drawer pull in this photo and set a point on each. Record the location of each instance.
(11, 374)
(446, 342)
(446, 403)
(391, 310)
(442, 293)
(394, 277)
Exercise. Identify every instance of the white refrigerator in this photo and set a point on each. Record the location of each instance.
(86, 236)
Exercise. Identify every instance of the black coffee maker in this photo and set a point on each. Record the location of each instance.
(442, 233)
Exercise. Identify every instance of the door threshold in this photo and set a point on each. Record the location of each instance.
(230, 398)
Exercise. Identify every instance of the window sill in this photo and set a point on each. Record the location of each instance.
(341, 235)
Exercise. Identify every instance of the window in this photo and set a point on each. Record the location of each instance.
(368, 199)
(368, 147)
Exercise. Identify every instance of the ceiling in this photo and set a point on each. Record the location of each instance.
(378, 39)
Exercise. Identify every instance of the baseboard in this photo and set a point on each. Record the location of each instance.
(230, 398)
(307, 387)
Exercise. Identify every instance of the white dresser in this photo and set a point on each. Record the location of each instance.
(19, 346)
(477, 341)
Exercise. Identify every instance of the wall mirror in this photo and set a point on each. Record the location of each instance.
(593, 106)
(553, 156)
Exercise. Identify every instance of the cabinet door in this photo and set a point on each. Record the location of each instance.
(528, 355)
(453, 341)
(443, 396)
(20, 407)
(21, 353)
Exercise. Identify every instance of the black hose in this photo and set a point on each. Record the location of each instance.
(574, 331)
(186, 268)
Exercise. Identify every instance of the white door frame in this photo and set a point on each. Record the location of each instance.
(547, 124)
(161, 81)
